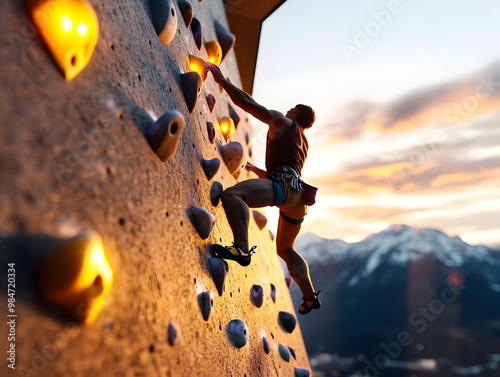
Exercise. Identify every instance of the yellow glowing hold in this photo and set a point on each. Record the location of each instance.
(76, 276)
(226, 127)
(70, 30)
(197, 65)
(214, 52)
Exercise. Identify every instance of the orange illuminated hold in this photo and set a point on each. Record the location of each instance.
(197, 65)
(70, 30)
(226, 127)
(214, 52)
(76, 276)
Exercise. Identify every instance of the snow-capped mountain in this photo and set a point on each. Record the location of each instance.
(372, 289)
(398, 244)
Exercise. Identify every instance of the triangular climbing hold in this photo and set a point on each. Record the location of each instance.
(203, 221)
(191, 87)
(225, 37)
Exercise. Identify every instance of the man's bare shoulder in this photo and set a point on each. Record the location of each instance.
(279, 124)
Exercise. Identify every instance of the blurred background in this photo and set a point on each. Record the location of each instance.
(407, 97)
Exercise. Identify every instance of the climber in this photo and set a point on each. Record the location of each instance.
(279, 186)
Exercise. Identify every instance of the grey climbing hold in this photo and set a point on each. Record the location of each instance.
(172, 334)
(186, 10)
(164, 19)
(211, 167)
(260, 219)
(292, 352)
(288, 280)
(284, 352)
(257, 295)
(196, 30)
(302, 372)
(164, 134)
(288, 321)
(206, 302)
(215, 192)
(211, 101)
(265, 345)
(273, 293)
(233, 155)
(211, 132)
(218, 270)
(234, 116)
(191, 86)
(238, 333)
(203, 221)
(225, 37)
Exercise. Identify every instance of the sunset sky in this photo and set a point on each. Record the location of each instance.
(407, 96)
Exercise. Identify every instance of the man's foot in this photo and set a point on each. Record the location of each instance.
(309, 304)
(234, 252)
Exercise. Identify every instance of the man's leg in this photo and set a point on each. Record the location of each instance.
(297, 266)
(236, 200)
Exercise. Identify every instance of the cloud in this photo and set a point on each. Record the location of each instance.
(450, 103)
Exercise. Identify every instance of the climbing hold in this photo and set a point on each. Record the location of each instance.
(211, 167)
(76, 272)
(238, 333)
(211, 132)
(273, 293)
(203, 221)
(206, 302)
(288, 321)
(164, 19)
(284, 352)
(292, 352)
(257, 295)
(225, 37)
(70, 32)
(260, 219)
(197, 65)
(288, 280)
(215, 192)
(302, 372)
(186, 11)
(271, 234)
(172, 334)
(211, 101)
(250, 152)
(233, 155)
(226, 127)
(265, 345)
(219, 270)
(234, 116)
(191, 87)
(214, 52)
(196, 30)
(247, 138)
(164, 135)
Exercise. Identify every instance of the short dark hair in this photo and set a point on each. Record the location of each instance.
(306, 116)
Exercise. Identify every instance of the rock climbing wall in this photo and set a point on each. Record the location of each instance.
(109, 175)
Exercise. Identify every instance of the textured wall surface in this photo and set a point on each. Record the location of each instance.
(74, 157)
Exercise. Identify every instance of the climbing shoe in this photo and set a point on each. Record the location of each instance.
(234, 252)
(309, 304)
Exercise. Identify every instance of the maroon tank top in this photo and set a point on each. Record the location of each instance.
(290, 149)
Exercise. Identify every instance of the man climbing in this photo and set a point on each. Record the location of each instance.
(279, 186)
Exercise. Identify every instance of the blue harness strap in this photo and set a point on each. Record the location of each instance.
(279, 194)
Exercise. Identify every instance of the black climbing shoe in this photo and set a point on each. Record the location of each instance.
(309, 304)
(234, 252)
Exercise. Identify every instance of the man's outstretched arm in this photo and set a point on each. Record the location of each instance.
(239, 97)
